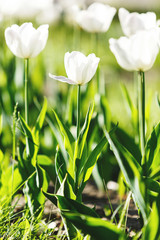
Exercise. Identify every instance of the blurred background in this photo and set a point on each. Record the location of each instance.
(65, 35)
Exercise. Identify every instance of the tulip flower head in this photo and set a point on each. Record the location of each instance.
(137, 53)
(25, 41)
(79, 68)
(97, 18)
(134, 22)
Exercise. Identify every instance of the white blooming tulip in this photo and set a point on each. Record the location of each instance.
(25, 41)
(79, 68)
(136, 53)
(134, 22)
(97, 18)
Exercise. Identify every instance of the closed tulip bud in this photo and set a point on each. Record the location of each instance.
(138, 52)
(25, 41)
(97, 18)
(79, 68)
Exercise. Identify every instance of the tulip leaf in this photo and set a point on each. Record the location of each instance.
(83, 134)
(65, 179)
(39, 122)
(132, 173)
(155, 174)
(152, 229)
(31, 143)
(95, 227)
(47, 164)
(153, 185)
(90, 163)
(69, 139)
(132, 110)
(68, 204)
(152, 148)
(129, 143)
(106, 111)
(58, 137)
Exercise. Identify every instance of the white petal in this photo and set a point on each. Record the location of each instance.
(13, 42)
(25, 41)
(62, 79)
(97, 18)
(137, 52)
(91, 67)
(134, 22)
(74, 65)
(42, 39)
(121, 50)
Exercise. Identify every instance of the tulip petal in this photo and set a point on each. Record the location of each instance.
(91, 67)
(138, 52)
(25, 41)
(62, 79)
(42, 39)
(97, 18)
(121, 50)
(134, 22)
(13, 41)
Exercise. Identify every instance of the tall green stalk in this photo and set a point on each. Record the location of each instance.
(26, 68)
(78, 109)
(141, 113)
(141, 109)
(96, 50)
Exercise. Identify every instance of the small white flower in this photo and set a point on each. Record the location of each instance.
(97, 18)
(134, 22)
(138, 52)
(25, 41)
(79, 68)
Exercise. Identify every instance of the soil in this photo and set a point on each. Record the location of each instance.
(105, 204)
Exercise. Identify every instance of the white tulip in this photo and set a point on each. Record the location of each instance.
(79, 68)
(134, 22)
(25, 41)
(138, 52)
(97, 18)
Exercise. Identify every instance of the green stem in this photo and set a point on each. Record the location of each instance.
(141, 109)
(96, 42)
(78, 109)
(26, 67)
(141, 113)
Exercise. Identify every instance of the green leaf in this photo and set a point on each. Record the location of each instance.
(69, 204)
(69, 139)
(60, 166)
(92, 159)
(104, 112)
(47, 164)
(32, 154)
(152, 148)
(58, 137)
(83, 134)
(32, 190)
(132, 176)
(39, 122)
(97, 228)
(153, 185)
(65, 179)
(152, 229)
(132, 110)
(129, 143)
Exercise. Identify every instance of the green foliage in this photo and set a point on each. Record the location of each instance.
(132, 173)
(30, 164)
(97, 228)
